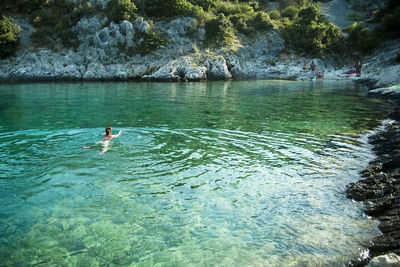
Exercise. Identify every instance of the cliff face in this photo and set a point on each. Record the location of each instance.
(101, 55)
(111, 53)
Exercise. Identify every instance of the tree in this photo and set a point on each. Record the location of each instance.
(360, 39)
(313, 34)
(9, 39)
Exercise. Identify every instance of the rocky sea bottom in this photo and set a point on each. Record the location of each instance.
(218, 173)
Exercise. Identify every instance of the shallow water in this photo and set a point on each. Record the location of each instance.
(248, 173)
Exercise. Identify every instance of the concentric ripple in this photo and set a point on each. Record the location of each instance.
(235, 179)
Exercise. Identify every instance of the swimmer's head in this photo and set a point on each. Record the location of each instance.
(108, 131)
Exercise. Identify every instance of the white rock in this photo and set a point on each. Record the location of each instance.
(388, 260)
(196, 73)
(141, 26)
(102, 37)
(217, 69)
(86, 28)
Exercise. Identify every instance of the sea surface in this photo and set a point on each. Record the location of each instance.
(243, 173)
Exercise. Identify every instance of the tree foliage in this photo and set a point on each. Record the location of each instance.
(313, 34)
(220, 30)
(389, 19)
(360, 39)
(9, 39)
(119, 10)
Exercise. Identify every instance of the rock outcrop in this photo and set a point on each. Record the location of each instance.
(380, 188)
(108, 53)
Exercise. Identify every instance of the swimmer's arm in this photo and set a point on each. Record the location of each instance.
(117, 135)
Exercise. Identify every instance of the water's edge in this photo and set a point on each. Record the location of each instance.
(379, 188)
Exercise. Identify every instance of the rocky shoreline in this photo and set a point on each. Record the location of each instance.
(380, 187)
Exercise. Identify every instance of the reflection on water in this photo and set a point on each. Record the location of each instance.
(217, 173)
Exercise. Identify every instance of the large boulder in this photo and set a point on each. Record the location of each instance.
(182, 69)
(217, 69)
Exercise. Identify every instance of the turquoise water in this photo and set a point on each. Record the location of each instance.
(248, 173)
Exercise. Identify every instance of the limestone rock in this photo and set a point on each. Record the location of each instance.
(180, 69)
(141, 25)
(86, 28)
(388, 260)
(217, 69)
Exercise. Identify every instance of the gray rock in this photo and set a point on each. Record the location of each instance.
(86, 28)
(217, 69)
(388, 260)
(101, 38)
(141, 25)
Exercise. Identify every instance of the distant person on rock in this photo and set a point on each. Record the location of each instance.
(312, 66)
(358, 67)
(320, 74)
(305, 68)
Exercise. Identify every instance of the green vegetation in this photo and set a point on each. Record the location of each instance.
(220, 30)
(311, 33)
(119, 10)
(290, 12)
(275, 14)
(300, 22)
(361, 39)
(9, 39)
(56, 19)
(352, 16)
(149, 42)
(388, 19)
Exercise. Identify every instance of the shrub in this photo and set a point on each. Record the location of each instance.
(240, 23)
(219, 30)
(309, 14)
(149, 42)
(81, 10)
(173, 8)
(274, 14)
(313, 34)
(228, 8)
(289, 12)
(262, 22)
(41, 37)
(286, 3)
(352, 16)
(119, 10)
(9, 39)
(29, 6)
(360, 39)
(57, 19)
(159, 8)
(187, 9)
(263, 3)
(270, 62)
(205, 4)
(389, 27)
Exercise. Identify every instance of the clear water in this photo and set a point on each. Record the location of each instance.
(248, 173)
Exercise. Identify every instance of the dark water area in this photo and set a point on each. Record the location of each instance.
(240, 173)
